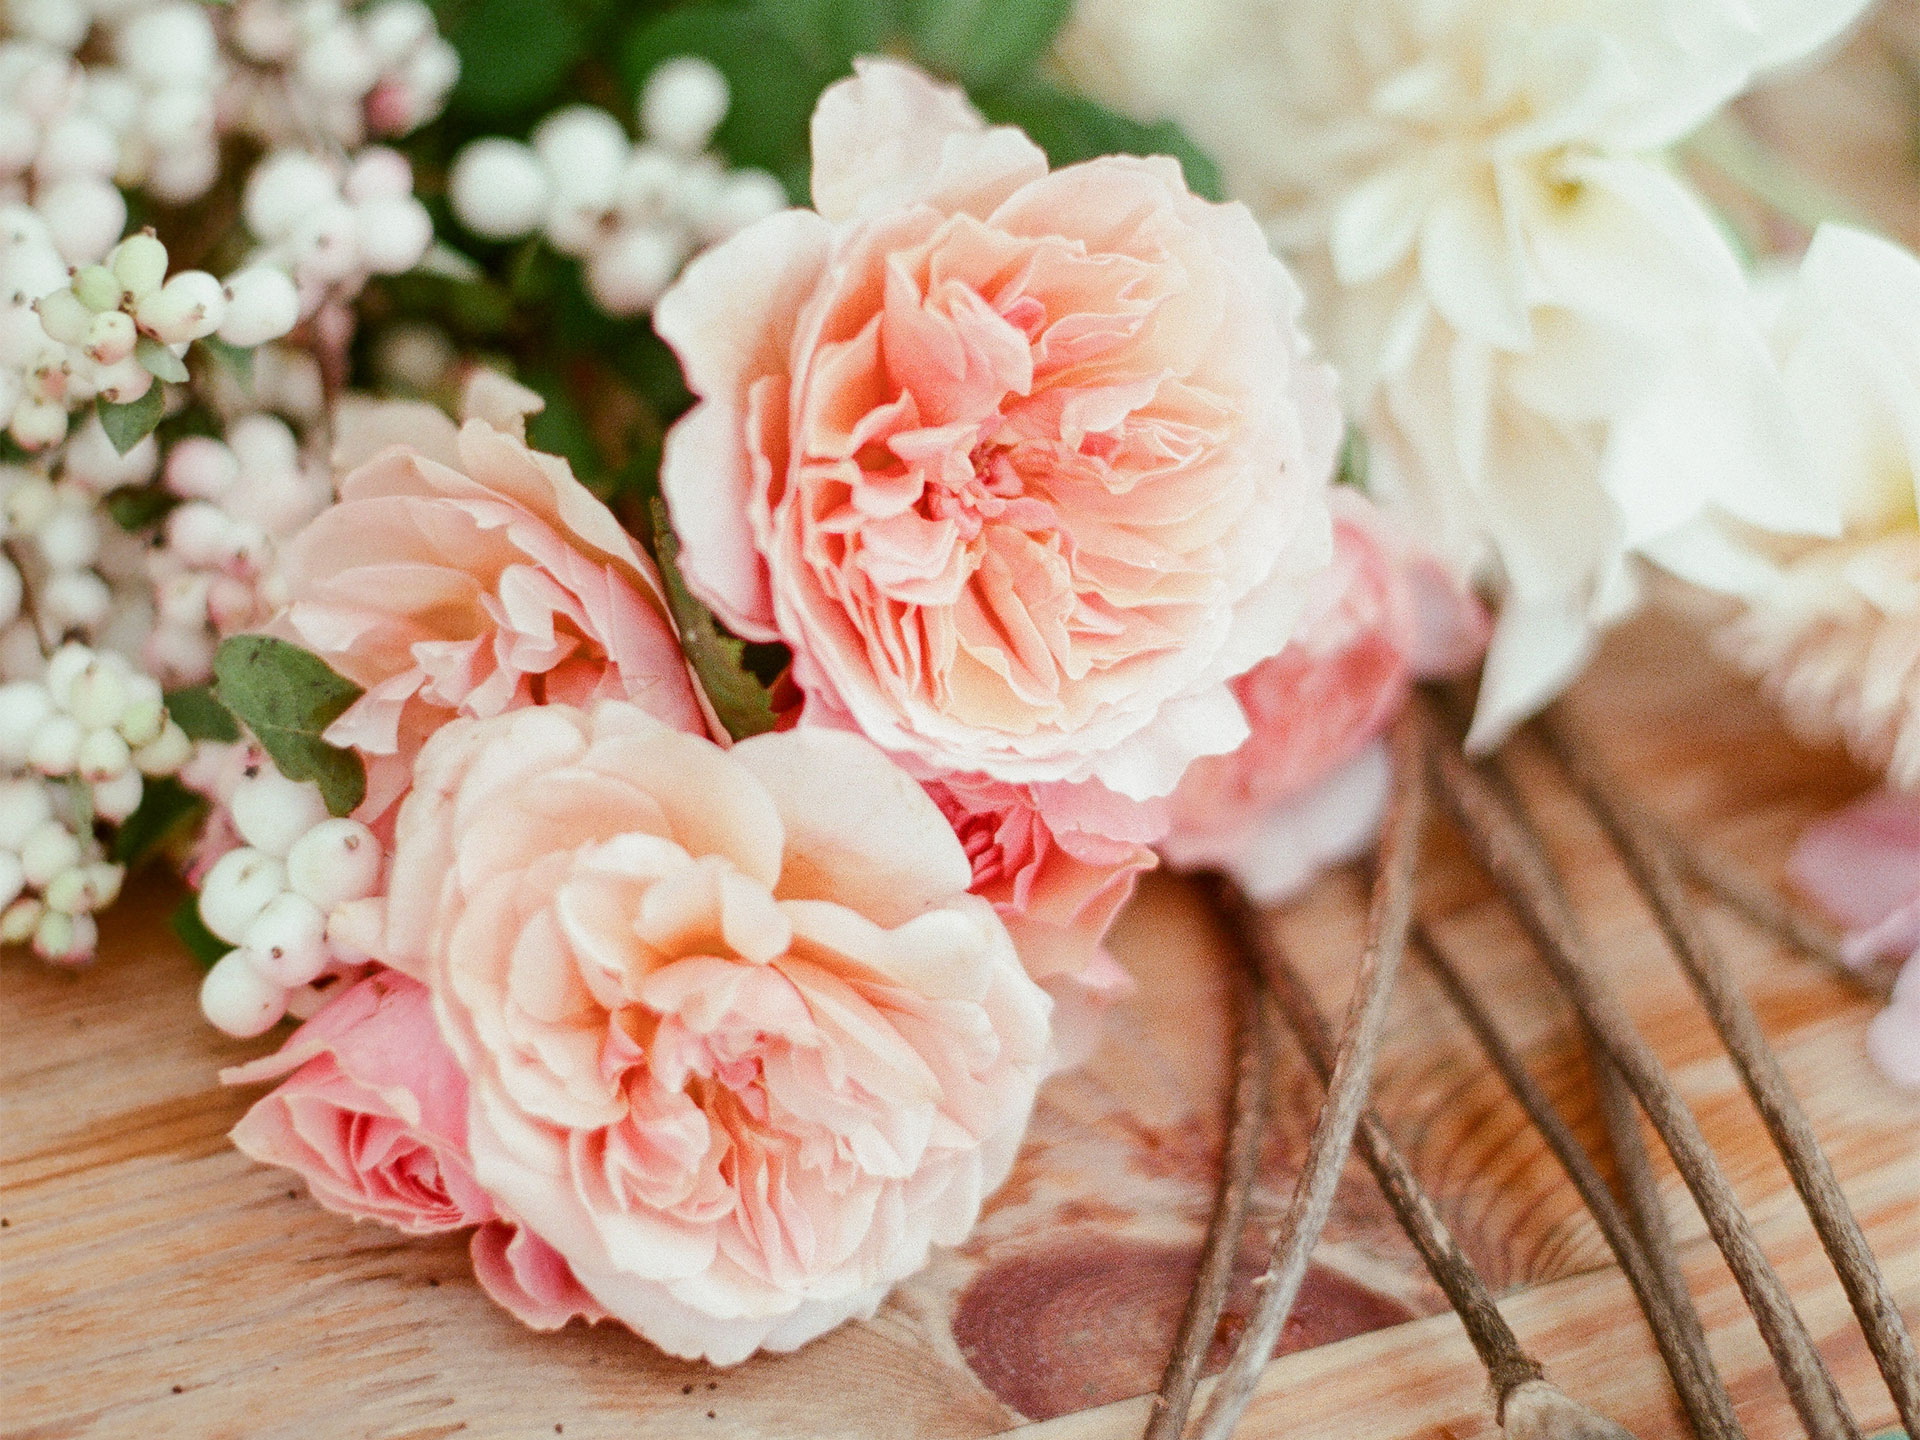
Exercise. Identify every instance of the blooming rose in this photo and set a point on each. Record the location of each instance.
(1308, 787)
(1058, 862)
(740, 1046)
(1863, 865)
(463, 574)
(1025, 467)
(374, 1112)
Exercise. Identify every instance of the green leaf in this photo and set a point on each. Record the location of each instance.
(561, 429)
(743, 703)
(287, 698)
(514, 57)
(238, 362)
(135, 509)
(160, 362)
(196, 710)
(1072, 128)
(984, 42)
(829, 33)
(1356, 460)
(772, 85)
(201, 943)
(127, 425)
(166, 808)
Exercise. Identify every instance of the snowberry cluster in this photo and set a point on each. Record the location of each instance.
(213, 574)
(632, 214)
(330, 225)
(77, 745)
(319, 69)
(271, 898)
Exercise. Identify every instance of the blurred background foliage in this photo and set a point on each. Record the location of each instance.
(611, 386)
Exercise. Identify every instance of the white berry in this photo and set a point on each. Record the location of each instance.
(237, 889)
(334, 862)
(684, 102)
(499, 189)
(287, 940)
(272, 812)
(237, 998)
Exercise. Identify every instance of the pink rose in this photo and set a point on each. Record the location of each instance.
(373, 1114)
(740, 1046)
(1025, 467)
(463, 574)
(1308, 787)
(1058, 863)
(1863, 865)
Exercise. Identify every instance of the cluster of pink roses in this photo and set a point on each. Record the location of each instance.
(1030, 471)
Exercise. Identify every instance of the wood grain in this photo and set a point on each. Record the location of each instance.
(155, 1283)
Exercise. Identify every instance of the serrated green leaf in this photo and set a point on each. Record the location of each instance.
(287, 697)
(127, 425)
(829, 33)
(238, 361)
(772, 85)
(166, 809)
(137, 508)
(201, 943)
(160, 362)
(195, 710)
(719, 660)
(984, 42)
(1072, 128)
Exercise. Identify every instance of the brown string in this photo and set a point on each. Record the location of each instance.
(1256, 1041)
(1388, 916)
(1654, 1275)
(1653, 869)
(1522, 870)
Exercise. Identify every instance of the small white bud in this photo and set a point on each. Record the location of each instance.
(272, 812)
(166, 753)
(110, 337)
(745, 196)
(76, 145)
(96, 696)
(51, 848)
(189, 306)
(55, 747)
(336, 861)
(583, 150)
(237, 889)
(103, 755)
(171, 44)
(67, 665)
(13, 879)
(262, 304)
(21, 919)
(25, 706)
(65, 939)
(633, 269)
(123, 382)
(116, 798)
(324, 240)
(391, 233)
(85, 888)
(201, 468)
(69, 538)
(96, 287)
(683, 104)
(139, 263)
(64, 316)
(287, 940)
(378, 173)
(284, 187)
(237, 998)
(393, 27)
(24, 807)
(142, 721)
(499, 189)
(85, 215)
(38, 424)
(77, 600)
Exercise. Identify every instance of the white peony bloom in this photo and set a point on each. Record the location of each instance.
(1833, 625)
(1524, 301)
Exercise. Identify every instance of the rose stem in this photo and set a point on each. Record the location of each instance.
(1388, 915)
(1256, 1042)
(1653, 1273)
(1509, 1366)
(1652, 867)
(1756, 902)
(1520, 867)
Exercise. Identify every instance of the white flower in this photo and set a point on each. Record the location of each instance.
(1522, 298)
(1834, 624)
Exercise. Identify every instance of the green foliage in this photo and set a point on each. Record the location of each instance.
(195, 710)
(201, 943)
(287, 697)
(829, 33)
(720, 661)
(773, 86)
(984, 43)
(167, 808)
(135, 508)
(1071, 128)
(127, 425)
(160, 362)
(514, 57)
(238, 362)
(1356, 460)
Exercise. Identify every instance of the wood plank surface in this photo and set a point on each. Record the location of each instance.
(155, 1283)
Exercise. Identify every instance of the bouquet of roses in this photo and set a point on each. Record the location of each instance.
(689, 854)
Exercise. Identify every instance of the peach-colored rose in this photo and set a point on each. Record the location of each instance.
(1025, 467)
(374, 1112)
(1058, 862)
(740, 1045)
(1308, 787)
(463, 574)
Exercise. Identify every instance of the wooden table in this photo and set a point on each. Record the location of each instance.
(154, 1283)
